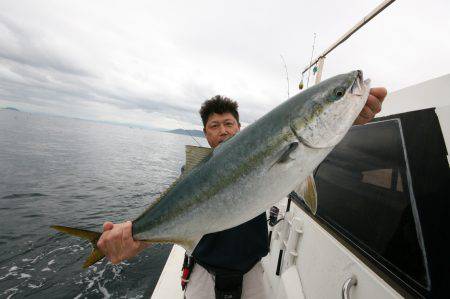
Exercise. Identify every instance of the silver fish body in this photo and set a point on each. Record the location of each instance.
(259, 166)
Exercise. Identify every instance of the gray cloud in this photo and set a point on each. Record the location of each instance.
(22, 47)
(44, 77)
(153, 62)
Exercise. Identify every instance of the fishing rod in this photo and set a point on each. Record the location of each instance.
(319, 61)
(287, 74)
(188, 132)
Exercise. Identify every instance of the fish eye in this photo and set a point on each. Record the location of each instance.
(339, 92)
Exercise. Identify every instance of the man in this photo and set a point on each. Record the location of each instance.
(227, 262)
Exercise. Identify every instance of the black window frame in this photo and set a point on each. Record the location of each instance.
(414, 125)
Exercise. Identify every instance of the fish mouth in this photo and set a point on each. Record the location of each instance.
(359, 86)
(339, 116)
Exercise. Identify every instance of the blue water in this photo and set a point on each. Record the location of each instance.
(77, 173)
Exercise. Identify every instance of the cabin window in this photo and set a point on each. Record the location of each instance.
(364, 192)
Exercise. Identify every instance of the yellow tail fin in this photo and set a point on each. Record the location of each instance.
(93, 237)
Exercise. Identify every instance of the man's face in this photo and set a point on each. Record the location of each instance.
(220, 127)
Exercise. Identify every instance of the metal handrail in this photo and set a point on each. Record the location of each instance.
(348, 284)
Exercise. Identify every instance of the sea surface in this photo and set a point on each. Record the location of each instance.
(61, 171)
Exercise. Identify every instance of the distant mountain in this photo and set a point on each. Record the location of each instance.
(10, 108)
(196, 133)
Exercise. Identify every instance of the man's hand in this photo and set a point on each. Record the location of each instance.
(372, 106)
(117, 243)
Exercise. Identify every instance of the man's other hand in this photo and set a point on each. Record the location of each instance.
(372, 106)
(117, 242)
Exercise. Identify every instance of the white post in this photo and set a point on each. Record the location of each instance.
(319, 69)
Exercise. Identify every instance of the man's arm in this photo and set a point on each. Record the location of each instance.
(117, 242)
(372, 106)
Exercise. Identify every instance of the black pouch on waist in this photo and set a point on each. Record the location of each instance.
(228, 285)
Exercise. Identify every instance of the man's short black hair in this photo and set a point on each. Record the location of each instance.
(220, 105)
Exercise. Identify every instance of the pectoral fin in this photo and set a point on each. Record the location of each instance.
(307, 191)
(285, 156)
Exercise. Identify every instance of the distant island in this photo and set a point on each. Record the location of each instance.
(10, 108)
(196, 133)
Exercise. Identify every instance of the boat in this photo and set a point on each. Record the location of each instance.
(381, 226)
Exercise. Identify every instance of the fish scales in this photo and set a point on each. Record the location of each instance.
(254, 169)
(246, 157)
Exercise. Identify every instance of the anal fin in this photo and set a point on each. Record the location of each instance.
(188, 244)
(307, 191)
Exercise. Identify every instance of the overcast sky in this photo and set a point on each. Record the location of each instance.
(152, 63)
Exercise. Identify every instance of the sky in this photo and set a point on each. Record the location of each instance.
(152, 63)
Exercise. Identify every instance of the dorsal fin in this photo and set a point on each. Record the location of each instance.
(195, 155)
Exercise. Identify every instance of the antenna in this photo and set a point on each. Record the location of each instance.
(287, 75)
(312, 54)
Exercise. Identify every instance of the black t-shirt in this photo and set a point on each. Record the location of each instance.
(238, 248)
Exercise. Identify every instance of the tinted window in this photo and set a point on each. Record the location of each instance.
(364, 192)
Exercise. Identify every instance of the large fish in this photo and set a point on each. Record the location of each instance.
(248, 173)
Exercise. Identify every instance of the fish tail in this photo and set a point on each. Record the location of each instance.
(92, 236)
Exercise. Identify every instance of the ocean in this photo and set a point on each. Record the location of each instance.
(62, 171)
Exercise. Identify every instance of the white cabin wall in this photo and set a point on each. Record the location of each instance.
(322, 264)
(428, 94)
